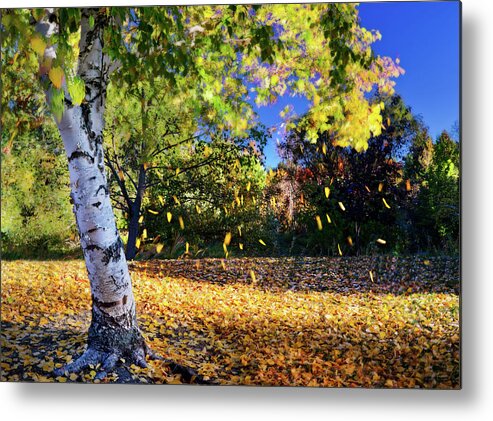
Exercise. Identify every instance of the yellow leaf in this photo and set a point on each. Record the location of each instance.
(327, 192)
(380, 186)
(141, 219)
(153, 212)
(262, 242)
(176, 200)
(328, 218)
(197, 208)
(161, 200)
(169, 216)
(341, 205)
(319, 223)
(144, 234)
(177, 171)
(324, 148)
(252, 275)
(187, 246)
(180, 221)
(385, 203)
(241, 246)
(371, 275)
(339, 248)
(248, 186)
(73, 377)
(381, 241)
(239, 230)
(38, 45)
(56, 76)
(120, 174)
(159, 247)
(350, 240)
(227, 238)
(137, 243)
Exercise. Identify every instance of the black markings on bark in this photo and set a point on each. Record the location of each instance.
(81, 154)
(93, 247)
(92, 178)
(119, 283)
(104, 187)
(93, 230)
(97, 204)
(113, 252)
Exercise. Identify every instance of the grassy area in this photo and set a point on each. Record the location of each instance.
(297, 322)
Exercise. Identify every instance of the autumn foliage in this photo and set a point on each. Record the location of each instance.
(292, 322)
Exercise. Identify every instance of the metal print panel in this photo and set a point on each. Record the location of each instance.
(261, 195)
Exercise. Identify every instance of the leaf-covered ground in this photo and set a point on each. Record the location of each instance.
(289, 321)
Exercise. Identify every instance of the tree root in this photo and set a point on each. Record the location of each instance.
(109, 361)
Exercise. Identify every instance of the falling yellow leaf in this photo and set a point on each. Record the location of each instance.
(380, 241)
(324, 148)
(380, 187)
(161, 200)
(56, 76)
(248, 186)
(262, 242)
(153, 212)
(180, 221)
(350, 240)
(169, 216)
(385, 203)
(241, 246)
(227, 238)
(177, 171)
(144, 234)
(319, 223)
(38, 45)
(239, 230)
(327, 192)
(120, 174)
(339, 248)
(176, 200)
(141, 219)
(408, 185)
(328, 218)
(197, 208)
(137, 243)
(159, 247)
(367, 189)
(187, 246)
(223, 265)
(341, 205)
(252, 275)
(371, 275)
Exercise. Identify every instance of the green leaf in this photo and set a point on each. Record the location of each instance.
(56, 103)
(91, 21)
(77, 90)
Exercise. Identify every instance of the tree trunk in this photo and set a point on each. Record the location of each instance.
(113, 333)
(134, 214)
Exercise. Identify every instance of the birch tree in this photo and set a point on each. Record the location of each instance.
(223, 58)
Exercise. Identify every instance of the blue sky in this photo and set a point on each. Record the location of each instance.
(425, 37)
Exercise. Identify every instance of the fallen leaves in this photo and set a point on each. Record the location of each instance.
(336, 322)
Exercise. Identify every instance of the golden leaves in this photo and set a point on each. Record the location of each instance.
(385, 203)
(56, 76)
(327, 192)
(259, 321)
(319, 222)
(169, 216)
(38, 45)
